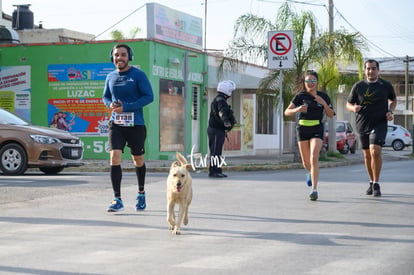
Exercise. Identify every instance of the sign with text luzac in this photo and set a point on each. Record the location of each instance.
(75, 98)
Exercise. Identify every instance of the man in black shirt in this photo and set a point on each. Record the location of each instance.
(373, 100)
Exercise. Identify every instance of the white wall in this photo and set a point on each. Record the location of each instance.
(6, 23)
(247, 78)
(266, 144)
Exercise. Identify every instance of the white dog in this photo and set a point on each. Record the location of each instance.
(180, 192)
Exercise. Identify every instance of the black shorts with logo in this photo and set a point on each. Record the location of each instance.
(309, 132)
(134, 137)
(375, 136)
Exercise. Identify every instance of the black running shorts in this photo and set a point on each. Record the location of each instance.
(309, 132)
(376, 136)
(134, 137)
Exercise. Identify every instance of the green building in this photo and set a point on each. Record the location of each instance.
(38, 81)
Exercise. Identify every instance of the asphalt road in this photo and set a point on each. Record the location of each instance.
(249, 223)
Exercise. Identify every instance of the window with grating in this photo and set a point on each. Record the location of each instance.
(265, 114)
(195, 107)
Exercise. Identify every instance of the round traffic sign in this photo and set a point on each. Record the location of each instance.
(280, 44)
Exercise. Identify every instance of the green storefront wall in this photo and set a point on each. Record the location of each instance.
(170, 119)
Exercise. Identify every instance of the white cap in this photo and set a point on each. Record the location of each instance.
(226, 87)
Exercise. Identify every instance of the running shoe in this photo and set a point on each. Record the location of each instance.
(309, 180)
(313, 196)
(377, 191)
(215, 175)
(141, 204)
(116, 205)
(369, 190)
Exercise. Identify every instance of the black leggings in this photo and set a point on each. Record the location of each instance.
(216, 139)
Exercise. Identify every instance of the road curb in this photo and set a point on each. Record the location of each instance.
(242, 167)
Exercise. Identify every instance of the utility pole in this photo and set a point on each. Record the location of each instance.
(331, 121)
(406, 92)
(407, 68)
(331, 17)
(205, 26)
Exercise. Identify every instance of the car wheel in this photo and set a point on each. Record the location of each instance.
(397, 145)
(51, 170)
(13, 159)
(345, 150)
(352, 150)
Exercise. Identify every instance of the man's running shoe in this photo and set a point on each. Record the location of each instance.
(116, 205)
(377, 191)
(309, 180)
(369, 190)
(141, 204)
(313, 196)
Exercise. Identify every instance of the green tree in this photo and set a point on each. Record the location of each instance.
(333, 50)
(321, 51)
(119, 35)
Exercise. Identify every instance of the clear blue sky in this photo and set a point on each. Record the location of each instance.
(388, 25)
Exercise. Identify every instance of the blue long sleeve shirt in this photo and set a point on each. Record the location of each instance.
(132, 88)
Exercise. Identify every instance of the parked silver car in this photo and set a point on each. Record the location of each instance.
(398, 137)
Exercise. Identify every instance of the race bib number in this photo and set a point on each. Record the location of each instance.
(124, 119)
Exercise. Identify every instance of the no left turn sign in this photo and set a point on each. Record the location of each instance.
(281, 49)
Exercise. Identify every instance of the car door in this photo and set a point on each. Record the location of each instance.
(390, 135)
(350, 135)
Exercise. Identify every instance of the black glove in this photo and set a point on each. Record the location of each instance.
(228, 125)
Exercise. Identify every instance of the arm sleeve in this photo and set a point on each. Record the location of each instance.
(296, 100)
(352, 95)
(392, 95)
(224, 113)
(146, 95)
(107, 96)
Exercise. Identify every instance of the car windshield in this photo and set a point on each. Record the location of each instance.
(9, 118)
(340, 127)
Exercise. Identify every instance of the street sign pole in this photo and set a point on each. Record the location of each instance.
(280, 57)
(281, 112)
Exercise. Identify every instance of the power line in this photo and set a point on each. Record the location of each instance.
(381, 50)
(293, 1)
(343, 17)
(306, 3)
(118, 22)
(363, 36)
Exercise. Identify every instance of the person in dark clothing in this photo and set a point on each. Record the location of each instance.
(220, 122)
(373, 100)
(310, 105)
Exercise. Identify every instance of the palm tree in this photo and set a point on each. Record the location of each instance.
(119, 35)
(250, 39)
(324, 51)
(333, 49)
